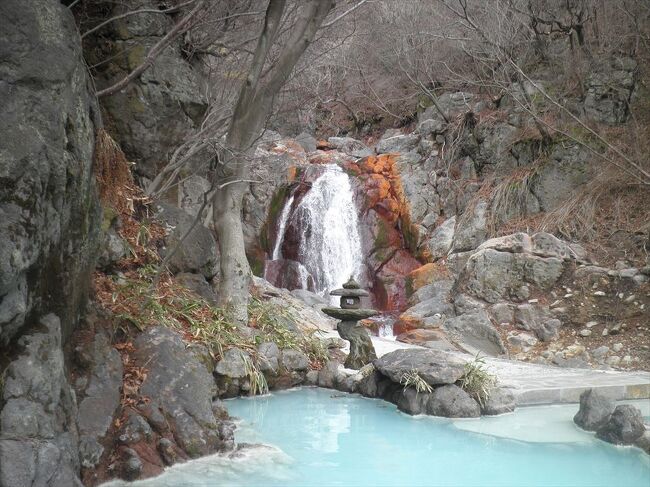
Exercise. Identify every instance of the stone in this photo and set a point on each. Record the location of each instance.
(350, 146)
(100, 398)
(349, 314)
(441, 238)
(327, 376)
(197, 284)
(294, 360)
(50, 216)
(135, 430)
(617, 347)
(500, 401)
(474, 332)
(412, 402)
(198, 252)
(515, 243)
(537, 319)
(643, 442)
(521, 340)
(431, 127)
(269, 357)
(595, 410)
(183, 389)
(623, 427)
(233, 364)
(310, 298)
(112, 250)
(608, 90)
(493, 276)
(451, 401)
(362, 352)
(288, 274)
(38, 440)
(584, 332)
(402, 143)
(435, 367)
(600, 352)
(307, 141)
(502, 313)
(471, 228)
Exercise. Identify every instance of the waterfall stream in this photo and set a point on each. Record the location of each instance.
(326, 217)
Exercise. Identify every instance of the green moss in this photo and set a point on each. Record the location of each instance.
(108, 216)
(135, 56)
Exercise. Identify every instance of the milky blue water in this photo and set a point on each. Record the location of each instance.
(324, 438)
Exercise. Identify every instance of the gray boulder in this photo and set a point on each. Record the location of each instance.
(183, 389)
(434, 366)
(451, 401)
(197, 284)
(269, 358)
(537, 319)
(350, 146)
(412, 402)
(307, 141)
(595, 410)
(471, 228)
(624, 427)
(100, 399)
(310, 298)
(112, 250)
(198, 253)
(233, 364)
(609, 88)
(643, 442)
(401, 143)
(500, 401)
(474, 332)
(38, 430)
(294, 360)
(439, 242)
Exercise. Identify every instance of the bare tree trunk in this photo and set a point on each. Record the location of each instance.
(253, 107)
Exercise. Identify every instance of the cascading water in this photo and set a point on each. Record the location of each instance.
(284, 218)
(330, 245)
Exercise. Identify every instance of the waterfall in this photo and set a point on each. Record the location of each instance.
(330, 246)
(284, 217)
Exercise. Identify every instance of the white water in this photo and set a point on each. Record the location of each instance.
(284, 218)
(330, 246)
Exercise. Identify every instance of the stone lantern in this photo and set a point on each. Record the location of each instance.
(362, 352)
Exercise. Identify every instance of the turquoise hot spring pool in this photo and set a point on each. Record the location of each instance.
(319, 437)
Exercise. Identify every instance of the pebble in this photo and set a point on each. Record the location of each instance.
(620, 295)
(613, 360)
(599, 293)
(617, 347)
(615, 330)
(555, 303)
(605, 332)
(627, 360)
(591, 324)
(533, 301)
(568, 295)
(585, 333)
(629, 299)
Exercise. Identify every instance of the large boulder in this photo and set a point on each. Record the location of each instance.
(181, 389)
(38, 440)
(288, 274)
(609, 88)
(451, 401)
(198, 253)
(400, 143)
(595, 410)
(440, 241)
(537, 319)
(49, 212)
(471, 228)
(434, 367)
(474, 332)
(412, 402)
(624, 427)
(500, 401)
(350, 146)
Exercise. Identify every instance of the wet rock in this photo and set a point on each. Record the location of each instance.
(328, 375)
(183, 388)
(198, 253)
(198, 284)
(451, 401)
(362, 352)
(595, 410)
(413, 402)
(500, 401)
(624, 426)
(132, 465)
(435, 367)
(288, 274)
(643, 442)
(167, 451)
(231, 371)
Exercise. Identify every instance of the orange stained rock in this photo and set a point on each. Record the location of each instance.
(424, 275)
(292, 172)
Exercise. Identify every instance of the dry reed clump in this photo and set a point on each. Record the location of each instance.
(113, 175)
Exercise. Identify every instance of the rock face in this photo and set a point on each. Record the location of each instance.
(49, 214)
(38, 440)
(154, 113)
(609, 89)
(435, 367)
(362, 351)
(624, 426)
(595, 410)
(181, 389)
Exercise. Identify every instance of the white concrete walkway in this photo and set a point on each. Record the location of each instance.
(545, 384)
